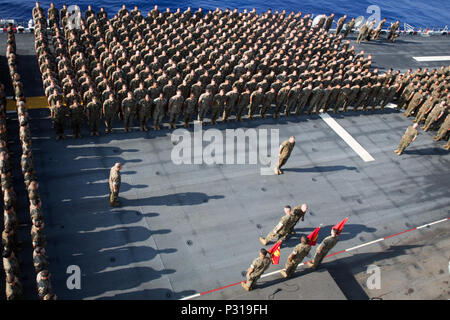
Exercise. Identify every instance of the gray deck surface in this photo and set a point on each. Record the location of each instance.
(184, 229)
(141, 250)
(317, 285)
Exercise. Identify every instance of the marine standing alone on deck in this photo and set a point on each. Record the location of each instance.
(409, 136)
(284, 153)
(114, 184)
(257, 268)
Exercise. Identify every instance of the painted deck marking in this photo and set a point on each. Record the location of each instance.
(347, 137)
(432, 58)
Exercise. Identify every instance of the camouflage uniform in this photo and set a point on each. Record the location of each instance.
(284, 226)
(158, 111)
(145, 113)
(286, 150)
(110, 109)
(259, 265)
(189, 110)
(114, 186)
(94, 112)
(76, 117)
(129, 112)
(298, 254)
(327, 244)
(408, 137)
(433, 116)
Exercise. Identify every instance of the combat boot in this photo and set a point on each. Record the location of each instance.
(244, 285)
(283, 274)
(115, 204)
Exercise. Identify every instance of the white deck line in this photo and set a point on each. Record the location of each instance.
(432, 58)
(347, 137)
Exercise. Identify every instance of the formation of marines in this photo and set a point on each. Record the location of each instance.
(425, 97)
(172, 66)
(10, 243)
(367, 31)
(281, 232)
(181, 65)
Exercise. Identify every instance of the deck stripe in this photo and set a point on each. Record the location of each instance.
(196, 295)
(347, 137)
(31, 103)
(432, 58)
(391, 105)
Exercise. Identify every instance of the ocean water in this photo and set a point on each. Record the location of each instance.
(420, 14)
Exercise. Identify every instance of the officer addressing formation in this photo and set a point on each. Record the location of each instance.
(167, 67)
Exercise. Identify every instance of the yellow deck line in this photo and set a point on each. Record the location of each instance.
(32, 103)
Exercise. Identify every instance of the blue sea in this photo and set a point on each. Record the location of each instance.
(420, 14)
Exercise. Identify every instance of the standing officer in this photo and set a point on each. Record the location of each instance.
(145, 111)
(232, 99)
(298, 254)
(257, 268)
(76, 117)
(327, 244)
(340, 24)
(174, 108)
(243, 102)
(255, 101)
(59, 119)
(158, 113)
(445, 127)
(349, 27)
(94, 113)
(409, 136)
(189, 109)
(434, 115)
(281, 230)
(128, 110)
(109, 111)
(283, 154)
(204, 104)
(299, 213)
(218, 106)
(114, 184)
